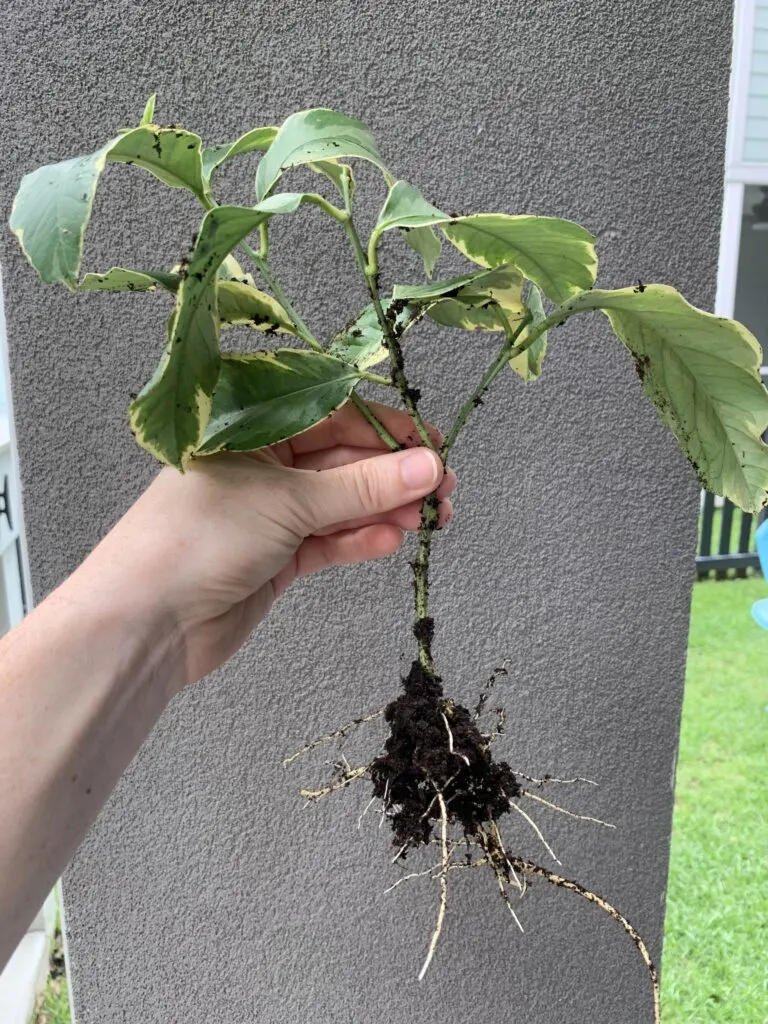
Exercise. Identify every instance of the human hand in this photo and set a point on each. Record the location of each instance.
(213, 548)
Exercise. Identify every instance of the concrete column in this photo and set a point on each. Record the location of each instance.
(204, 892)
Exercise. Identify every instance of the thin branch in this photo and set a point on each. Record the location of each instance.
(390, 337)
(505, 896)
(443, 886)
(485, 382)
(274, 285)
(407, 878)
(378, 426)
(562, 810)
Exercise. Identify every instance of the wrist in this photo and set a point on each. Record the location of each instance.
(134, 637)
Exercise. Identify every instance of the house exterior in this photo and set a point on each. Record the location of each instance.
(742, 290)
(120, 933)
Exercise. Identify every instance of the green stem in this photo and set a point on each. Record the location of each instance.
(260, 261)
(424, 627)
(376, 378)
(390, 339)
(274, 285)
(378, 426)
(476, 398)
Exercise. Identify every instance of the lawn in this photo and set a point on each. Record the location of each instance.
(717, 911)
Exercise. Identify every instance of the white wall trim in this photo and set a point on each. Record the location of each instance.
(730, 241)
(741, 66)
(18, 497)
(747, 174)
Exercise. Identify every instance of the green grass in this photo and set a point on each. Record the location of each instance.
(53, 1004)
(717, 911)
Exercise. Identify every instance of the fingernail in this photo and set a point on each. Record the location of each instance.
(419, 470)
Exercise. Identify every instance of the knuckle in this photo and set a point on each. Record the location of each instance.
(366, 486)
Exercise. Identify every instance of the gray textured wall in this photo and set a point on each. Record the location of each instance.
(204, 892)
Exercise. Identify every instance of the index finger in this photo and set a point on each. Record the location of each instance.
(348, 426)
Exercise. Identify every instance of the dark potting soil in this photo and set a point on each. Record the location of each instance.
(422, 758)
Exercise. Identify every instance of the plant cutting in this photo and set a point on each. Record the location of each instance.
(436, 781)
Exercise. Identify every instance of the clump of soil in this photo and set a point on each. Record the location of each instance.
(434, 746)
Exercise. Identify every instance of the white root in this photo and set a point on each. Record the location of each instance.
(451, 750)
(338, 734)
(443, 886)
(537, 830)
(345, 780)
(562, 810)
(551, 779)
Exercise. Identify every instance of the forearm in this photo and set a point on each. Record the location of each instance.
(82, 682)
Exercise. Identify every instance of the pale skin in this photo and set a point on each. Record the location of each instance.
(170, 594)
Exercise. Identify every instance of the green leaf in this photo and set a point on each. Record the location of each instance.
(50, 214)
(53, 205)
(468, 301)
(170, 414)
(266, 397)
(171, 154)
(119, 279)
(702, 372)
(407, 209)
(230, 270)
(340, 174)
(362, 342)
(243, 304)
(557, 255)
(528, 363)
(149, 111)
(312, 136)
(257, 140)
(425, 242)
(285, 202)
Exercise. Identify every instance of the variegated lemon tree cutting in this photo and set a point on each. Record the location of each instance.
(437, 781)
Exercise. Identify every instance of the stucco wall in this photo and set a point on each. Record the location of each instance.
(204, 892)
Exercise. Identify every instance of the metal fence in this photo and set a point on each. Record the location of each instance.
(727, 535)
(726, 540)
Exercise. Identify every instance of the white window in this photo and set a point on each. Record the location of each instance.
(741, 290)
(14, 586)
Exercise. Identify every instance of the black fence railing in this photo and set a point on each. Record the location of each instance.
(726, 540)
(727, 535)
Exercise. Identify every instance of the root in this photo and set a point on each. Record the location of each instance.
(348, 775)
(338, 734)
(501, 718)
(528, 868)
(485, 693)
(443, 885)
(439, 786)
(537, 830)
(562, 810)
(550, 779)
(451, 749)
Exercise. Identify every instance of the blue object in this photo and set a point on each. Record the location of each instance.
(760, 608)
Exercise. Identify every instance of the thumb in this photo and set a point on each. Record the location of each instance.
(372, 486)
